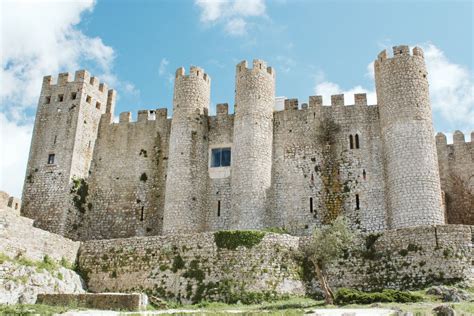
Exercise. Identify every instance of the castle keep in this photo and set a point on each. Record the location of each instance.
(379, 165)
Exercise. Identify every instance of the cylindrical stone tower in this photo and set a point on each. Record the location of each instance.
(409, 150)
(252, 144)
(186, 180)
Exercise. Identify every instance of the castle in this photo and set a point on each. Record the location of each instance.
(379, 165)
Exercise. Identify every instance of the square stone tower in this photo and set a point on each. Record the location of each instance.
(62, 144)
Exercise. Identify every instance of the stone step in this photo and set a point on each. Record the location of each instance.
(106, 301)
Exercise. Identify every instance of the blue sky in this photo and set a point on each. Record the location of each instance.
(301, 39)
(316, 47)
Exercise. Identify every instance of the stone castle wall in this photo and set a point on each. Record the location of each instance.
(313, 184)
(10, 203)
(189, 268)
(297, 168)
(126, 186)
(456, 167)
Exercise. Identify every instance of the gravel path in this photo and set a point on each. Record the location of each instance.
(315, 312)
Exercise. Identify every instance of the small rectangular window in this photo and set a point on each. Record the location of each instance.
(311, 210)
(51, 159)
(88, 99)
(220, 157)
(218, 208)
(357, 202)
(73, 96)
(61, 97)
(97, 105)
(47, 100)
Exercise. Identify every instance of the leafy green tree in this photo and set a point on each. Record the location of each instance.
(326, 245)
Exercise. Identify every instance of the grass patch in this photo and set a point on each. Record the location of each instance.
(4, 258)
(66, 264)
(37, 309)
(47, 263)
(276, 230)
(231, 239)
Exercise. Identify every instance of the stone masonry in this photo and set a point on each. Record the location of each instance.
(191, 268)
(379, 165)
(10, 203)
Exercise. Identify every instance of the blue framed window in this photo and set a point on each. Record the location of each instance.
(220, 157)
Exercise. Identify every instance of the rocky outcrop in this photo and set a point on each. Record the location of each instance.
(34, 261)
(20, 283)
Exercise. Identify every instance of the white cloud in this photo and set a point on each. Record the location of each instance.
(236, 26)
(39, 38)
(285, 63)
(163, 64)
(232, 14)
(15, 142)
(451, 89)
(130, 89)
(164, 72)
(328, 88)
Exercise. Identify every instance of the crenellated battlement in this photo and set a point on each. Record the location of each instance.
(80, 76)
(194, 72)
(222, 109)
(337, 100)
(144, 116)
(258, 65)
(399, 51)
(458, 139)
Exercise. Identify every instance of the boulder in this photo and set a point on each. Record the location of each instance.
(444, 310)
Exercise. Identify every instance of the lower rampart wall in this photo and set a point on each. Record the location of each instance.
(18, 237)
(189, 268)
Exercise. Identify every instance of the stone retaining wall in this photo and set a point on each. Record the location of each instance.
(189, 268)
(110, 301)
(19, 237)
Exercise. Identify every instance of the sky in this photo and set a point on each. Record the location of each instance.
(316, 48)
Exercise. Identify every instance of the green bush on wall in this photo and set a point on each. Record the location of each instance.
(231, 239)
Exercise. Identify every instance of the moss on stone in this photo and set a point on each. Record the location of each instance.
(370, 253)
(229, 239)
(195, 272)
(80, 191)
(178, 263)
(403, 252)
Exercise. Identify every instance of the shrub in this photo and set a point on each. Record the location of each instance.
(231, 239)
(349, 296)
